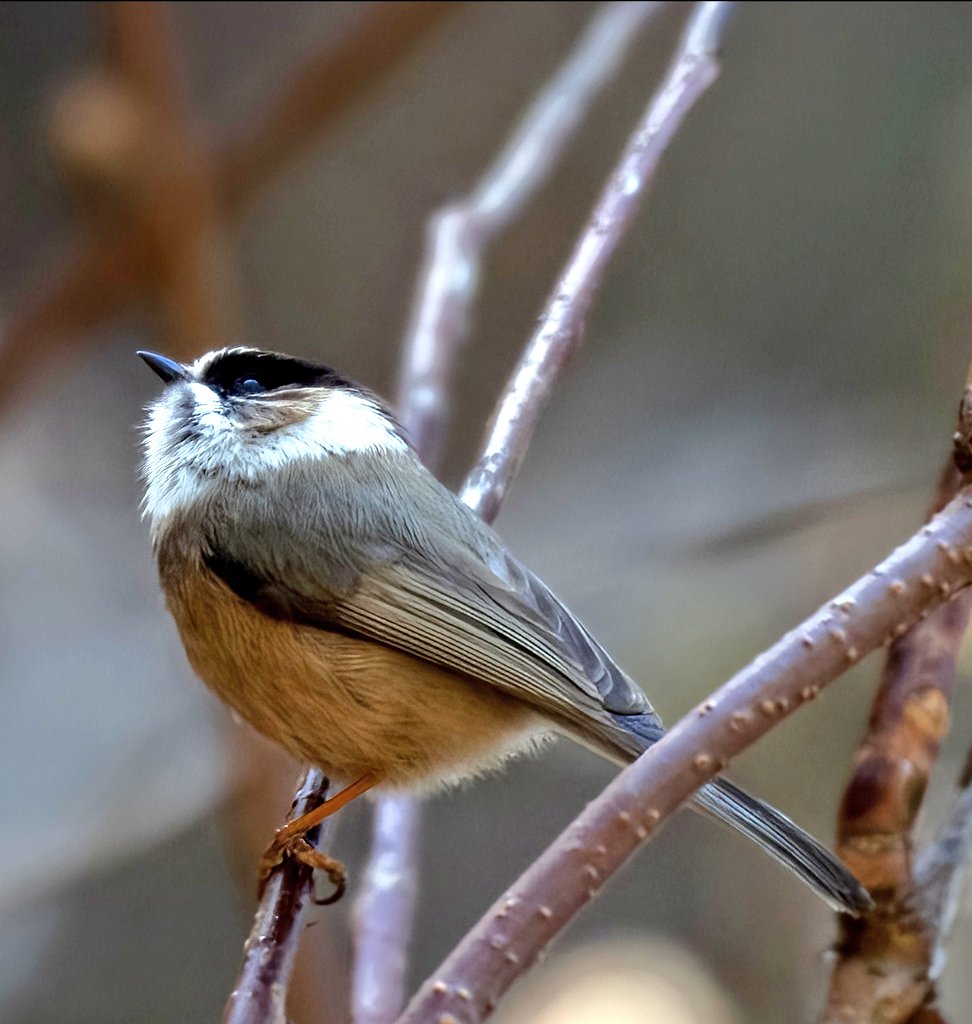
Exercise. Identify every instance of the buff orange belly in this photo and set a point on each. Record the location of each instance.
(343, 704)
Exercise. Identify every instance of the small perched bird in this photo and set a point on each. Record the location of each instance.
(348, 606)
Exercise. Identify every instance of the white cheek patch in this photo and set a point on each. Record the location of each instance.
(348, 422)
(344, 423)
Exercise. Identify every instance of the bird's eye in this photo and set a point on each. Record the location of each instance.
(247, 386)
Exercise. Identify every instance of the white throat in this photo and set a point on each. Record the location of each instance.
(183, 466)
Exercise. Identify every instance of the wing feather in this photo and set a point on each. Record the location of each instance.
(443, 588)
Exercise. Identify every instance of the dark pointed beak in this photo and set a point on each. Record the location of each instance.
(168, 369)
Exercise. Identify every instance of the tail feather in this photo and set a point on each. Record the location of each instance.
(785, 841)
(769, 828)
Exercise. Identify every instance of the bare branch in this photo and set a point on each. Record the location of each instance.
(940, 874)
(260, 993)
(695, 68)
(139, 42)
(885, 956)
(323, 89)
(384, 912)
(458, 236)
(909, 718)
(459, 233)
(153, 201)
(885, 963)
(916, 578)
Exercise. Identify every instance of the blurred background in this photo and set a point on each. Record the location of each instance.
(766, 393)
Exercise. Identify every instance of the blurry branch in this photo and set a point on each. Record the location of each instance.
(458, 236)
(940, 873)
(471, 993)
(384, 911)
(153, 201)
(260, 993)
(884, 971)
(323, 89)
(139, 43)
(459, 233)
(914, 580)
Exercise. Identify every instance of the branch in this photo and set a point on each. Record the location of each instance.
(153, 200)
(909, 718)
(459, 233)
(260, 993)
(886, 956)
(139, 43)
(458, 236)
(694, 69)
(384, 912)
(940, 874)
(324, 88)
(915, 579)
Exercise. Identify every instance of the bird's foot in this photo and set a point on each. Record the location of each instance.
(286, 846)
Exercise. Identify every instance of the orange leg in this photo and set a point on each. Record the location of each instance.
(290, 840)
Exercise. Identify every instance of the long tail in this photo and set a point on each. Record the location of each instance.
(780, 837)
(785, 841)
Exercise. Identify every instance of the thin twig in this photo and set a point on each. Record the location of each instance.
(940, 874)
(458, 233)
(695, 68)
(384, 912)
(458, 236)
(260, 993)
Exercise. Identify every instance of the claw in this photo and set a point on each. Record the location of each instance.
(296, 847)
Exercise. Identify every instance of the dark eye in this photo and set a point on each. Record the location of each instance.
(247, 386)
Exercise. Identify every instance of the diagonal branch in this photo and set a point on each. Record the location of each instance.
(459, 233)
(694, 69)
(323, 89)
(914, 580)
(458, 236)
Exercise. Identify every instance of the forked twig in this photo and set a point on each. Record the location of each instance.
(458, 234)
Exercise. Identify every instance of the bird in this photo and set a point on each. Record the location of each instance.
(347, 605)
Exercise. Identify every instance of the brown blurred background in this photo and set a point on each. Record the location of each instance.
(766, 393)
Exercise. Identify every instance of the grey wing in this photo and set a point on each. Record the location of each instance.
(422, 574)
(486, 615)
